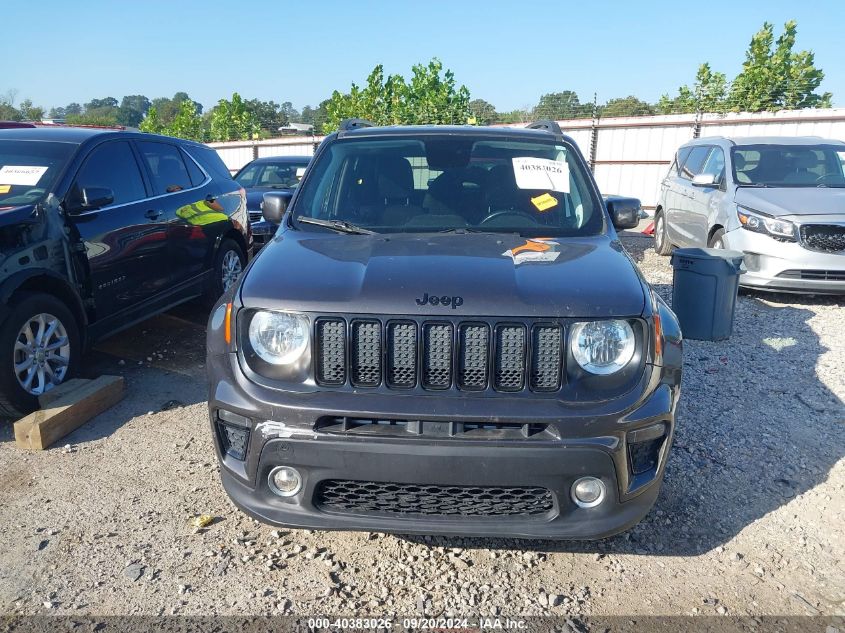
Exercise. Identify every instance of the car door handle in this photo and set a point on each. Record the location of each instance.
(153, 214)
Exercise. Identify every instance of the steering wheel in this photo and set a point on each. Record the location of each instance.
(508, 212)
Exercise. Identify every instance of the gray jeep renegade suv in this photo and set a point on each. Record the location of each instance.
(445, 336)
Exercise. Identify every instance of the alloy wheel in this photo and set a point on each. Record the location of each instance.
(658, 232)
(42, 354)
(232, 269)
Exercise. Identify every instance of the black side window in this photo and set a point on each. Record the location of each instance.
(691, 167)
(681, 158)
(166, 167)
(195, 173)
(112, 166)
(211, 162)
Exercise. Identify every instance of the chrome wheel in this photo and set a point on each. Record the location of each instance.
(658, 232)
(232, 269)
(42, 354)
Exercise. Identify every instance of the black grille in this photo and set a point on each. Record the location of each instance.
(437, 355)
(474, 358)
(823, 237)
(402, 354)
(510, 357)
(331, 351)
(815, 275)
(233, 439)
(255, 216)
(645, 455)
(427, 429)
(546, 358)
(366, 353)
(371, 497)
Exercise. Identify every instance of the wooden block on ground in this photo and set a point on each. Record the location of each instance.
(40, 429)
(46, 399)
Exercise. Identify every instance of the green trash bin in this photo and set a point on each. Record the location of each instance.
(704, 288)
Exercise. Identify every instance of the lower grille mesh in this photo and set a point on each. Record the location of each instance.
(371, 497)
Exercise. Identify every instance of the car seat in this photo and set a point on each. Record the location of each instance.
(801, 174)
(395, 178)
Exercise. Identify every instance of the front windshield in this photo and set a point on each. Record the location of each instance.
(28, 170)
(432, 183)
(789, 165)
(281, 175)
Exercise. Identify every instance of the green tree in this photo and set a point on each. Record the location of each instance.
(132, 110)
(708, 94)
(187, 123)
(73, 108)
(431, 96)
(233, 120)
(562, 105)
(168, 108)
(626, 106)
(152, 122)
(775, 77)
(483, 111)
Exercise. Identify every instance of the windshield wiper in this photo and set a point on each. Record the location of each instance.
(340, 226)
(759, 185)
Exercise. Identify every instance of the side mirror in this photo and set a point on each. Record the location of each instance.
(624, 212)
(274, 206)
(91, 199)
(704, 180)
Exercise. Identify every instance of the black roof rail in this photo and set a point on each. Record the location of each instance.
(547, 125)
(348, 125)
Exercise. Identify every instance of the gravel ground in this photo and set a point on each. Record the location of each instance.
(751, 519)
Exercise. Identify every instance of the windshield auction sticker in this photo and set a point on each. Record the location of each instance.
(5, 188)
(541, 173)
(21, 174)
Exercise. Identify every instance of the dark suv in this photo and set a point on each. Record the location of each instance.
(445, 336)
(98, 230)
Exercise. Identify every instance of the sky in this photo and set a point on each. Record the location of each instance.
(508, 53)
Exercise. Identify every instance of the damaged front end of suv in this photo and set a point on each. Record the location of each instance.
(446, 337)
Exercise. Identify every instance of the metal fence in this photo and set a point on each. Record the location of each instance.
(629, 155)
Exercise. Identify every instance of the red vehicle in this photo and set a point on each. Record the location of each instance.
(5, 125)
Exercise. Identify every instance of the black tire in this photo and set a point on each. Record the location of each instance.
(15, 401)
(717, 240)
(662, 245)
(228, 248)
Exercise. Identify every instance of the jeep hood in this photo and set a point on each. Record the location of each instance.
(797, 201)
(494, 275)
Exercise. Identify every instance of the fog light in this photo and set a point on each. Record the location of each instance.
(285, 481)
(588, 492)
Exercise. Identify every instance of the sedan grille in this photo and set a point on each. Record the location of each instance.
(829, 238)
(372, 497)
(439, 355)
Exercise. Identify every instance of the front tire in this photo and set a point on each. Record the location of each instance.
(40, 346)
(229, 264)
(717, 240)
(662, 245)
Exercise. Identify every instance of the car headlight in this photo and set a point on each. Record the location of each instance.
(602, 347)
(767, 225)
(278, 338)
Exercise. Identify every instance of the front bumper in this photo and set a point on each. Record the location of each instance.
(262, 232)
(786, 266)
(590, 440)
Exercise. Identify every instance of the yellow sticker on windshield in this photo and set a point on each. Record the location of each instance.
(5, 188)
(544, 202)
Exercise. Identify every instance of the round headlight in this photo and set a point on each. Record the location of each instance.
(602, 347)
(278, 338)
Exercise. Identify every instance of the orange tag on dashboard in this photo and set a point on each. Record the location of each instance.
(544, 202)
(5, 188)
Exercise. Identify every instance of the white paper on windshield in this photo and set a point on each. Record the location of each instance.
(541, 173)
(21, 174)
(300, 172)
